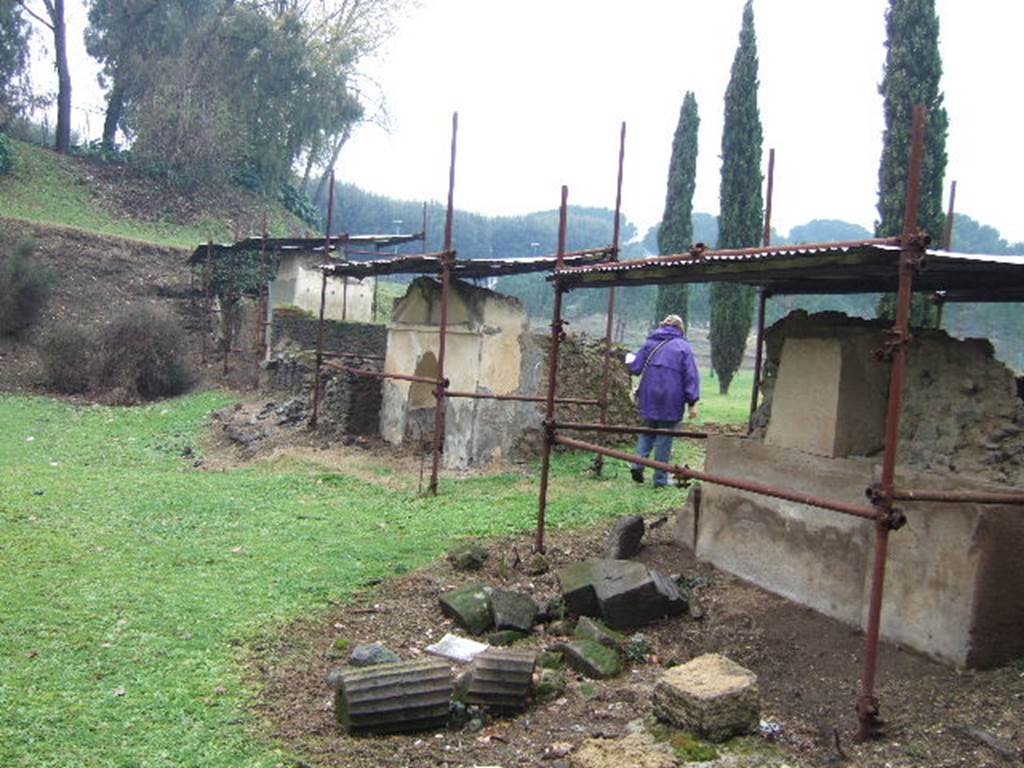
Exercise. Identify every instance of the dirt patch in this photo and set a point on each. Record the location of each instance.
(808, 668)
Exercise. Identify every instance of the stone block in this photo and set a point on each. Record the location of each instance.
(624, 593)
(591, 629)
(591, 659)
(625, 539)
(368, 654)
(468, 557)
(711, 695)
(469, 607)
(638, 750)
(513, 610)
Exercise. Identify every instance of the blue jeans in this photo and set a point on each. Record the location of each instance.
(662, 445)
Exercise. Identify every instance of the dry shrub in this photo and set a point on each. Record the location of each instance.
(141, 356)
(24, 289)
(66, 353)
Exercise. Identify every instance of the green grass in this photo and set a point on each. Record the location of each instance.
(48, 188)
(733, 408)
(131, 583)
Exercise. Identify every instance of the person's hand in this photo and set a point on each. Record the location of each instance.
(693, 412)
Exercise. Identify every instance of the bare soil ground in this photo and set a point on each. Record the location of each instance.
(808, 667)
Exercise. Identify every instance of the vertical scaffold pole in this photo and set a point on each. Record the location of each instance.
(314, 417)
(598, 464)
(911, 252)
(549, 407)
(447, 261)
(762, 296)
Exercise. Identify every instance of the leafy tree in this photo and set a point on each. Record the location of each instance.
(913, 69)
(14, 35)
(740, 202)
(675, 234)
(51, 16)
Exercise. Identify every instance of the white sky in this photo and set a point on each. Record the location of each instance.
(542, 85)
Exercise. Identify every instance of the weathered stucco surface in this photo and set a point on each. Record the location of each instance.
(487, 344)
(298, 284)
(953, 585)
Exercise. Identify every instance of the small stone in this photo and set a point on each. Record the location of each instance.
(592, 629)
(592, 659)
(551, 686)
(562, 628)
(694, 607)
(369, 654)
(505, 637)
(711, 695)
(625, 539)
(469, 607)
(513, 610)
(537, 565)
(638, 750)
(557, 750)
(468, 557)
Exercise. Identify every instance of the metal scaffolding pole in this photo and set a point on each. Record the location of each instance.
(882, 495)
(762, 296)
(314, 417)
(446, 277)
(609, 339)
(557, 334)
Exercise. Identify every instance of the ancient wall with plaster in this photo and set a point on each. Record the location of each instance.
(298, 284)
(488, 350)
(953, 586)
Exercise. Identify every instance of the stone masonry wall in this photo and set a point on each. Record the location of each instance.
(962, 412)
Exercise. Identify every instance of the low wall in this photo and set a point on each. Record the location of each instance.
(953, 585)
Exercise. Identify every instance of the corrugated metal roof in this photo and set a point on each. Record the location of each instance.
(865, 266)
(430, 264)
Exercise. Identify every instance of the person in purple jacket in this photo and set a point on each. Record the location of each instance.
(669, 383)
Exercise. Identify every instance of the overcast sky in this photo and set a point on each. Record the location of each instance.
(541, 87)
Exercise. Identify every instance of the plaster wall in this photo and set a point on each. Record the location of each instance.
(484, 353)
(298, 284)
(952, 586)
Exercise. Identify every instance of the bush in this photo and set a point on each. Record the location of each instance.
(6, 155)
(24, 290)
(66, 354)
(141, 356)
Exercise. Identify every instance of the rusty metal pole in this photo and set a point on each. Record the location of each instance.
(261, 309)
(598, 464)
(882, 494)
(762, 297)
(557, 334)
(314, 417)
(762, 301)
(446, 268)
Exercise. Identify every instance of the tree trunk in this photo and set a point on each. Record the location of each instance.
(60, 44)
(322, 186)
(115, 109)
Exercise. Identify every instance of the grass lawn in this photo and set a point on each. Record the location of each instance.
(733, 408)
(131, 583)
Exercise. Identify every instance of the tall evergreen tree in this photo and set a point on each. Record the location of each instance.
(676, 232)
(913, 69)
(740, 203)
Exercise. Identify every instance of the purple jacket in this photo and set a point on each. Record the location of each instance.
(671, 381)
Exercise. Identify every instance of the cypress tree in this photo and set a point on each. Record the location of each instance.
(675, 234)
(740, 204)
(913, 69)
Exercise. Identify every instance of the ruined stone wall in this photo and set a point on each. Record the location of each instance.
(298, 330)
(961, 410)
(349, 404)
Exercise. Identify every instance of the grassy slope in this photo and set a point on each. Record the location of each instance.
(52, 189)
(130, 583)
